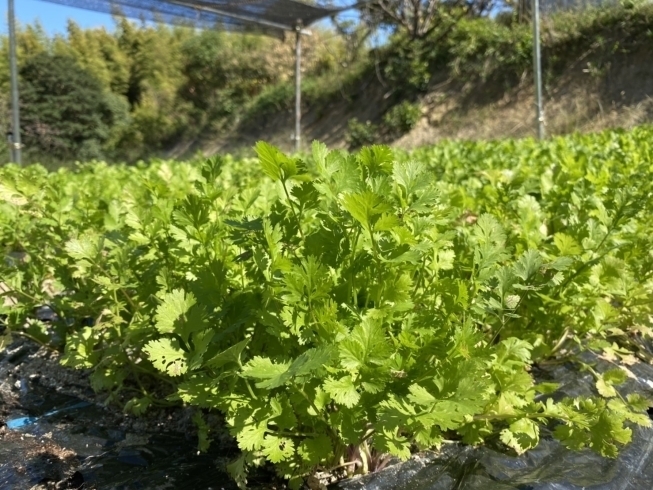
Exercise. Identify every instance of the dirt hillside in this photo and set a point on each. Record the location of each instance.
(581, 97)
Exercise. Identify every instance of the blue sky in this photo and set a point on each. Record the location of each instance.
(54, 17)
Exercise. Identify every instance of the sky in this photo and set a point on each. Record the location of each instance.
(54, 17)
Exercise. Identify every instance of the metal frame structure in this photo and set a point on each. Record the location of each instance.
(537, 71)
(239, 17)
(298, 88)
(14, 136)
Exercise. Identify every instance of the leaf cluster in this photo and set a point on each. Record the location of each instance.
(368, 303)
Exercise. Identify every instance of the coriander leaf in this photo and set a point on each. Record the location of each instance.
(252, 436)
(566, 244)
(342, 391)
(521, 436)
(315, 450)
(389, 441)
(232, 354)
(173, 306)
(270, 159)
(420, 396)
(278, 449)
(264, 369)
(365, 346)
(167, 356)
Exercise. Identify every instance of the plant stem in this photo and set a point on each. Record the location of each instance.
(561, 342)
(369, 434)
(34, 339)
(291, 434)
(334, 436)
(522, 415)
(133, 365)
(292, 208)
(249, 388)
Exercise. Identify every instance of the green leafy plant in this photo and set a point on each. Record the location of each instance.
(360, 134)
(65, 112)
(401, 118)
(349, 305)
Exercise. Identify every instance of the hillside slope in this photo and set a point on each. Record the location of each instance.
(578, 100)
(598, 74)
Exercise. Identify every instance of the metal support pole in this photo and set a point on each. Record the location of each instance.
(298, 88)
(537, 68)
(15, 109)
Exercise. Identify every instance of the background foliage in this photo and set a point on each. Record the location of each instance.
(164, 90)
(160, 85)
(66, 114)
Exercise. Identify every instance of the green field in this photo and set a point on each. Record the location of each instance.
(348, 304)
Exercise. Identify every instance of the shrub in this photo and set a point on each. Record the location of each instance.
(402, 118)
(360, 134)
(65, 112)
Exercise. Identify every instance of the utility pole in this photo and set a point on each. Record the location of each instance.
(537, 69)
(15, 109)
(298, 87)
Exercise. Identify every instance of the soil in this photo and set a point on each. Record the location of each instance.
(56, 433)
(25, 365)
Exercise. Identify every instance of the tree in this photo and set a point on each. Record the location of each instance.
(420, 18)
(65, 113)
(221, 70)
(98, 52)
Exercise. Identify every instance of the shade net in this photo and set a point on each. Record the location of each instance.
(271, 17)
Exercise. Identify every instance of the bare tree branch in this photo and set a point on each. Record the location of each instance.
(419, 18)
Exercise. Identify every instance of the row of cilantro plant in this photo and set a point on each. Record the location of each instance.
(345, 307)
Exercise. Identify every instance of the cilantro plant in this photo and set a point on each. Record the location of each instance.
(345, 306)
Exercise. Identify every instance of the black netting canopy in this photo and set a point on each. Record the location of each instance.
(272, 17)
